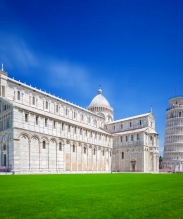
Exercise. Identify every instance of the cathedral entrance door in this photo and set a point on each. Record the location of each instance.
(133, 167)
(133, 163)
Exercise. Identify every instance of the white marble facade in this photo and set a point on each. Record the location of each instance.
(41, 133)
(173, 143)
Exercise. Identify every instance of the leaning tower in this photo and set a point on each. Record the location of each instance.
(173, 143)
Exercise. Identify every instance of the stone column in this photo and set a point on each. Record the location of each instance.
(82, 148)
(39, 154)
(71, 156)
(100, 160)
(87, 156)
(153, 160)
(16, 156)
(77, 157)
(64, 164)
(92, 154)
(56, 156)
(1, 154)
(119, 153)
(8, 153)
(29, 155)
(96, 158)
(108, 160)
(48, 156)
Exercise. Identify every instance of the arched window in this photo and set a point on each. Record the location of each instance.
(46, 104)
(137, 136)
(60, 146)
(126, 138)
(33, 100)
(131, 137)
(26, 117)
(36, 120)
(140, 122)
(44, 144)
(121, 126)
(84, 150)
(4, 147)
(66, 112)
(130, 124)
(151, 138)
(18, 95)
(73, 148)
(122, 155)
(94, 151)
(46, 122)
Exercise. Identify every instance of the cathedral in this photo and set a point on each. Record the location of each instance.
(41, 133)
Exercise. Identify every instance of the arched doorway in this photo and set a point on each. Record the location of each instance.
(4, 160)
(4, 156)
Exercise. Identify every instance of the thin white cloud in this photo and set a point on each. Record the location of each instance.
(17, 55)
(67, 74)
(15, 52)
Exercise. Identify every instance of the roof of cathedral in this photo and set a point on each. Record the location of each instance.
(49, 95)
(132, 131)
(99, 101)
(150, 130)
(130, 118)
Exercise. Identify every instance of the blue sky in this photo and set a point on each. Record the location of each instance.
(133, 49)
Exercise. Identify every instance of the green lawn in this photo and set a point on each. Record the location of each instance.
(92, 196)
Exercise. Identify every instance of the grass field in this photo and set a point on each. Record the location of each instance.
(92, 196)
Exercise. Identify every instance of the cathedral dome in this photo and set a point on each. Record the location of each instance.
(99, 101)
(101, 107)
